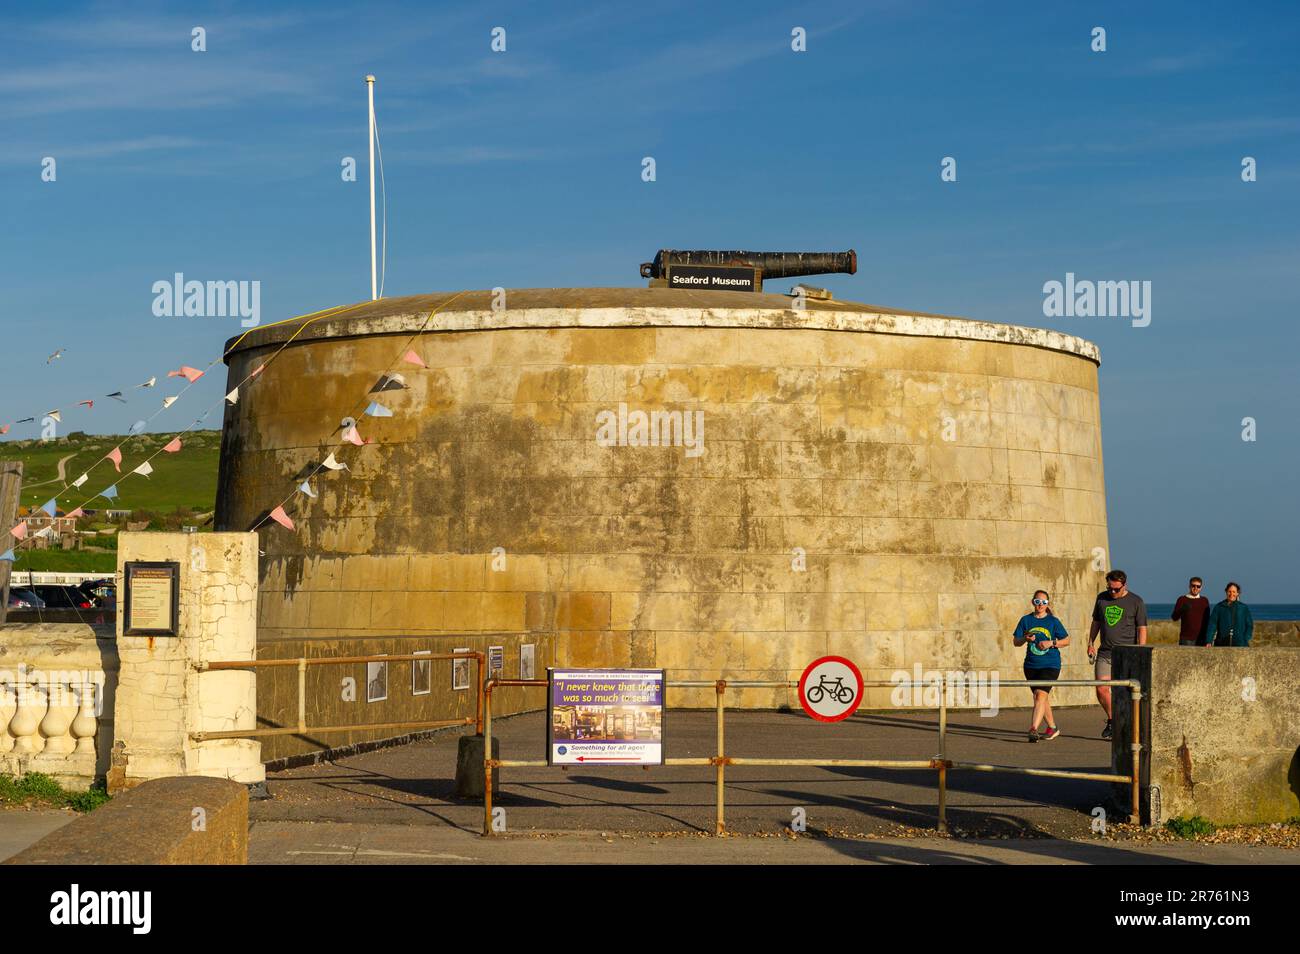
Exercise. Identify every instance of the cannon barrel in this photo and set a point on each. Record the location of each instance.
(772, 264)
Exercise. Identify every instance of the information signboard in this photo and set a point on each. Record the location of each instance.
(605, 716)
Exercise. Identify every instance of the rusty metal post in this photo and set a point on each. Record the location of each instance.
(302, 696)
(479, 659)
(487, 760)
(943, 796)
(1135, 762)
(943, 753)
(720, 824)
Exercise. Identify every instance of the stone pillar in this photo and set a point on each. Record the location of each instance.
(162, 698)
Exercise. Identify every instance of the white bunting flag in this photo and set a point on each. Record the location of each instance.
(329, 463)
(144, 470)
(233, 396)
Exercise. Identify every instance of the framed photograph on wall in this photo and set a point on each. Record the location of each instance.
(422, 673)
(496, 662)
(376, 681)
(460, 670)
(527, 661)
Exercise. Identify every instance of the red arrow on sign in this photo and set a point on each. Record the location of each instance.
(612, 758)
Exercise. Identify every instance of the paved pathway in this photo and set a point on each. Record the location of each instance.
(20, 827)
(397, 805)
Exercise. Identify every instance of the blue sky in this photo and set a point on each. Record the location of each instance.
(523, 169)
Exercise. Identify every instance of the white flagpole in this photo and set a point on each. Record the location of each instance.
(374, 280)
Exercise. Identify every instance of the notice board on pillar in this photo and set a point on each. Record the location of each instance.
(605, 716)
(151, 598)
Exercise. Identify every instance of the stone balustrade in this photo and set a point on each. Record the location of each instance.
(56, 687)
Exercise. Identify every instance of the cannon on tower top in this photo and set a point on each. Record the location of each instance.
(763, 264)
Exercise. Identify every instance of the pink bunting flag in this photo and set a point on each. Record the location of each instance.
(86, 404)
(76, 513)
(352, 437)
(412, 358)
(19, 532)
(173, 445)
(189, 374)
(282, 518)
(4, 428)
(258, 370)
(115, 455)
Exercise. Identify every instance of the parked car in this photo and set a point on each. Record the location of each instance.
(23, 598)
(102, 592)
(62, 596)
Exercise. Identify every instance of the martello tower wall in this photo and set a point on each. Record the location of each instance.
(883, 485)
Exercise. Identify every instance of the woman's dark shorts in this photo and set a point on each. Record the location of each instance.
(1041, 674)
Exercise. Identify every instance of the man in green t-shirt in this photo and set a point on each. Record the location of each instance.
(1120, 617)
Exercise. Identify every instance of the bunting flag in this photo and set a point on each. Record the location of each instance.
(305, 487)
(352, 437)
(19, 532)
(7, 555)
(45, 532)
(110, 492)
(115, 455)
(136, 428)
(233, 396)
(80, 480)
(329, 463)
(54, 357)
(256, 371)
(377, 410)
(282, 518)
(185, 371)
(50, 506)
(150, 383)
(26, 420)
(412, 358)
(76, 513)
(144, 470)
(4, 428)
(169, 401)
(87, 404)
(389, 382)
(116, 396)
(173, 445)
(54, 415)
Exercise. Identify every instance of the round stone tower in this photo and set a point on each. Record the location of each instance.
(720, 484)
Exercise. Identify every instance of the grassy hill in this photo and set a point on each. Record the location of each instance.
(185, 479)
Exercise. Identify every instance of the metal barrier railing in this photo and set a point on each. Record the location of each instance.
(941, 763)
(302, 662)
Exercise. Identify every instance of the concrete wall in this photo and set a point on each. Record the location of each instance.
(162, 697)
(826, 431)
(1224, 731)
(167, 821)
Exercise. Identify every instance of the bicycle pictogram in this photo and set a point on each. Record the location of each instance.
(838, 691)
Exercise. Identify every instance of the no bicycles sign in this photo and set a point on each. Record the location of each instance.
(830, 689)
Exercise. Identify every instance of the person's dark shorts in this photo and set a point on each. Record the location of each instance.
(1031, 673)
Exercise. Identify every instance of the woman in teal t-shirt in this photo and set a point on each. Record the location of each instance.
(1044, 635)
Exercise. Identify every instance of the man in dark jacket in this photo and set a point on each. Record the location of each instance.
(1230, 623)
(1192, 611)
